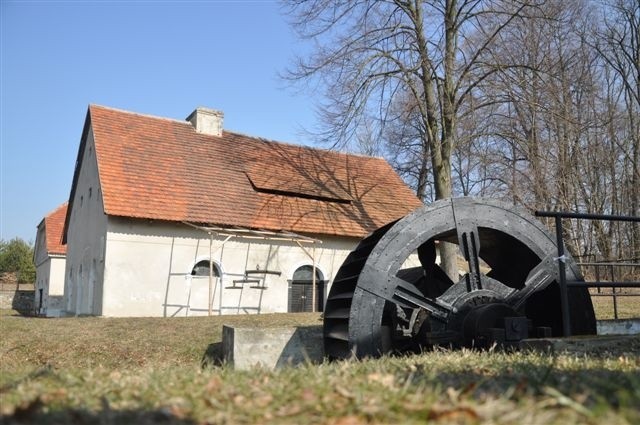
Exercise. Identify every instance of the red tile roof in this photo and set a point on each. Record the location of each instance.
(54, 227)
(158, 168)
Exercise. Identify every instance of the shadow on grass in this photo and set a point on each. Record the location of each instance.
(517, 381)
(11, 312)
(590, 392)
(22, 302)
(35, 413)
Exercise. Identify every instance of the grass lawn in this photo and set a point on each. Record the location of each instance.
(159, 370)
(628, 307)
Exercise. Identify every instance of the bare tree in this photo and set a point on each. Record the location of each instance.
(565, 124)
(537, 102)
(431, 55)
(618, 43)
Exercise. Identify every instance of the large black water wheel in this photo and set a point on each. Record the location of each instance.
(390, 295)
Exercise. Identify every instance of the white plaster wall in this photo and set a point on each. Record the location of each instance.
(56, 276)
(55, 295)
(50, 278)
(40, 249)
(86, 240)
(148, 266)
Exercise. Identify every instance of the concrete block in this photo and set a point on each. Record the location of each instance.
(619, 327)
(245, 347)
(584, 344)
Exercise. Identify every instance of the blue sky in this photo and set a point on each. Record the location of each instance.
(155, 57)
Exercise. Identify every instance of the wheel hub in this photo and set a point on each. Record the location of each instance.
(488, 324)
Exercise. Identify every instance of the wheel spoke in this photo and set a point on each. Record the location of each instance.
(405, 294)
(408, 295)
(539, 278)
(469, 243)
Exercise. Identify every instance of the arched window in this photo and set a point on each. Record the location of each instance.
(301, 290)
(202, 269)
(304, 274)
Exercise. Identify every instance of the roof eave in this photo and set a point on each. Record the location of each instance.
(76, 172)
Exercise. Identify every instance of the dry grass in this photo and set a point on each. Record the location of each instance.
(112, 371)
(90, 342)
(628, 307)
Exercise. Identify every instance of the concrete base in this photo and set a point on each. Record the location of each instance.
(619, 327)
(244, 348)
(620, 344)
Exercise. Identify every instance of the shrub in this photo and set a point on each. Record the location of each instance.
(17, 256)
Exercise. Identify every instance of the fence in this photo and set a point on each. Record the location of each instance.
(563, 282)
(609, 274)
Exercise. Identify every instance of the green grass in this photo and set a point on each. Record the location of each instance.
(142, 370)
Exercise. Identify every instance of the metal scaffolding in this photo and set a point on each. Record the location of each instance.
(231, 232)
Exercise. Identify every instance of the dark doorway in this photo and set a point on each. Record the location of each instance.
(301, 290)
(41, 291)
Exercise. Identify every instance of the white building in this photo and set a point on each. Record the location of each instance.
(156, 201)
(49, 258)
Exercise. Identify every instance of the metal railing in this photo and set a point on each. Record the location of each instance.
(562, 274)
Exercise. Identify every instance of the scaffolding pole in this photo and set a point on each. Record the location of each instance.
(211, 295)
(244, 233)
(313, 281)
(210, 274)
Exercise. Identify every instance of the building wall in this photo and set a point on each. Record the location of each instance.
(50, 279)
(56, 277)
(86, 240)
(40, 254)
(43, 267)
(148, 270)
(55, 297)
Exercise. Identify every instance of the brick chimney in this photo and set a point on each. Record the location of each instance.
(207, 121)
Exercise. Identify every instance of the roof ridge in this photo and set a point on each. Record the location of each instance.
(56, 209)
(238, 133)
(110, 108)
